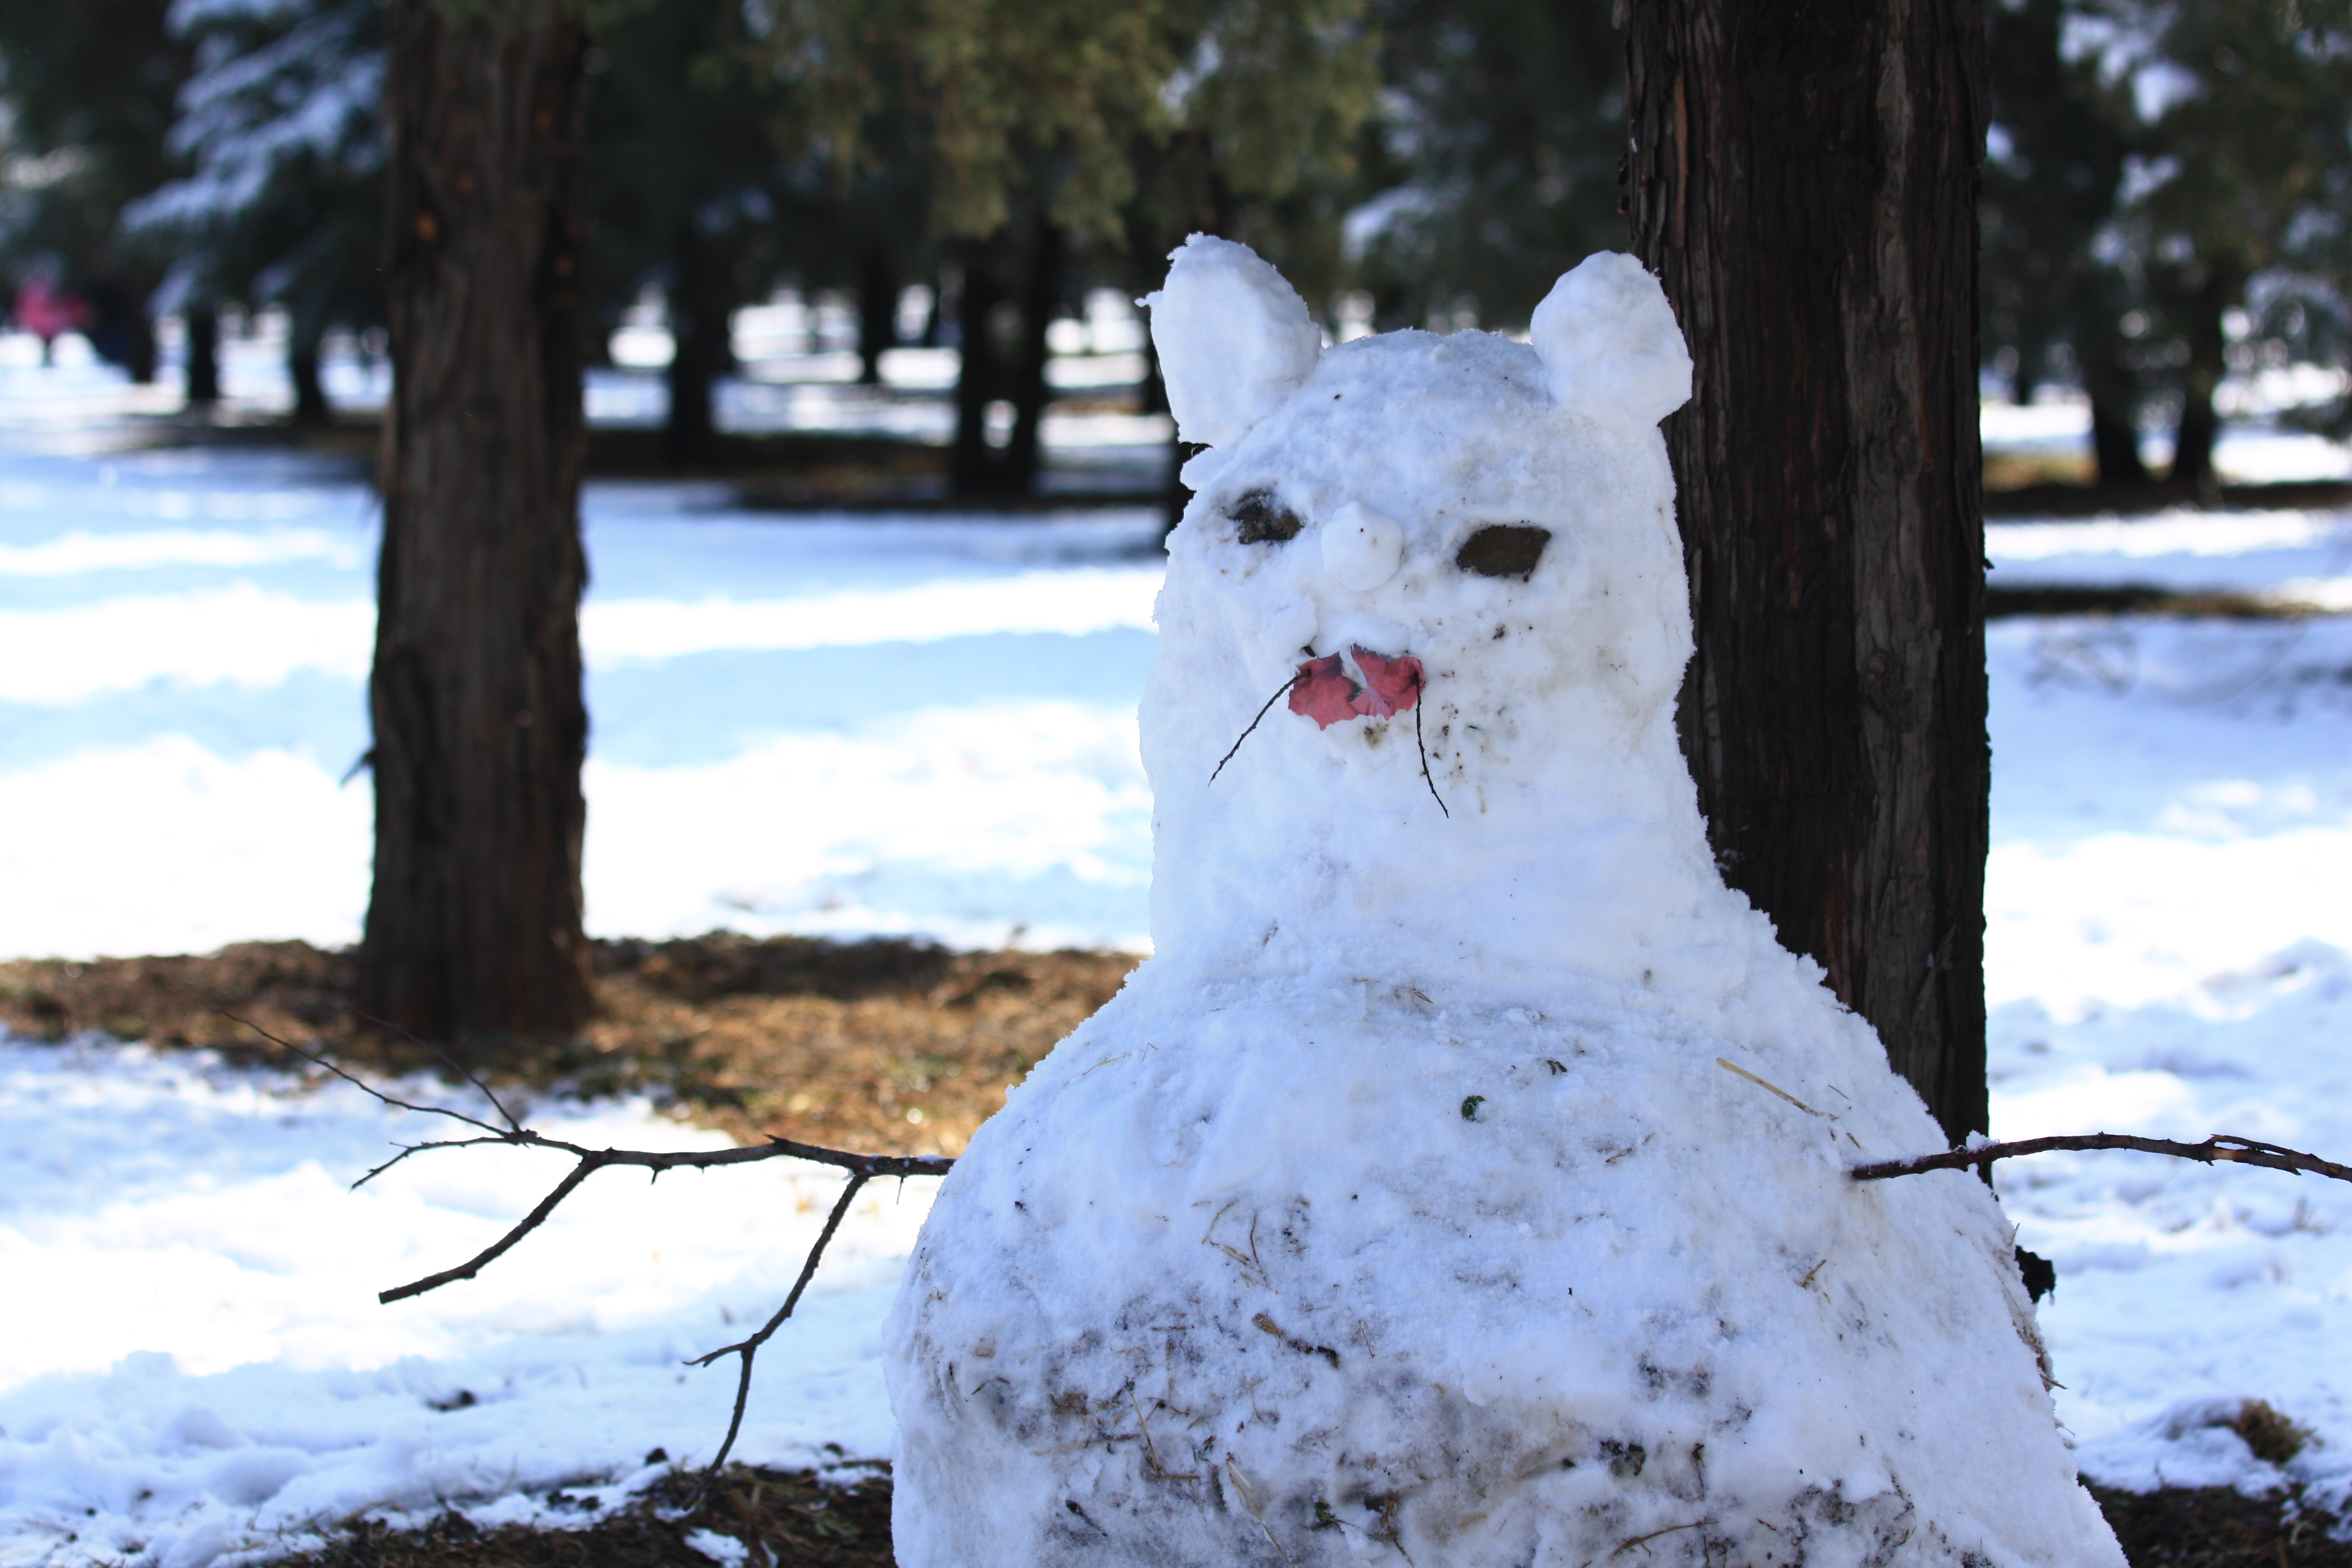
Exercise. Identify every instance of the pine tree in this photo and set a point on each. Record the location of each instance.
(2053, 276)
(281, 123)
(1502, 140)
(2251, 171)
(90, 90)
(684, 175)
(1045, 127)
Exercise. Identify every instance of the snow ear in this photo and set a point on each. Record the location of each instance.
(1610, 346)
(1234, 340)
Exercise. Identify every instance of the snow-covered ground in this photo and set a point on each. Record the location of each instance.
(804, 724)
(798, 723)
(2255, 446)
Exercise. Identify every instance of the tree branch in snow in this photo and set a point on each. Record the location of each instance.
(2223, 1147)
(750, 1348)
(861, 1168)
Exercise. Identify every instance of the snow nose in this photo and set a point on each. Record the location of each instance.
(1323, 690)
(1361, 549)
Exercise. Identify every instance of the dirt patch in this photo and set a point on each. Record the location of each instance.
(783, 1519)
(883, 1045)
(2213, 1527)
(2140, 599)
(794, 1519)
(2034, 494)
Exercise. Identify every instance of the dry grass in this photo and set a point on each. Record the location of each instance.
(883, 1046)
(2017, 471)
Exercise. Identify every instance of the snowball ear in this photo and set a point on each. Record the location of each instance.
(1610, 346)
(1234, 340)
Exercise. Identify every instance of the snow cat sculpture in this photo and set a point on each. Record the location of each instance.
(1462, 1183)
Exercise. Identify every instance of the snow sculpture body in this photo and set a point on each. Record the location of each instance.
(1402, 1207)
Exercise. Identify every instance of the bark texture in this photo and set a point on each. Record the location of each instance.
(473, 928)
(1803, 180)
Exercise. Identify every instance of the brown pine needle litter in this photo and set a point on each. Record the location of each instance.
(885, 1044)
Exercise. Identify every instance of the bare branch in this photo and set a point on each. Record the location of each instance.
(2221, 1147)
(512, 1121)
(862, 1168)
(750, 1348)
(491, 1254)
(408, 1149)
(369, 1088)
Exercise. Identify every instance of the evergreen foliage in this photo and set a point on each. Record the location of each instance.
(684, 183)
(1501, 144)
(1067, 97)
(88, 89)
(2168, 198)
(281, 125)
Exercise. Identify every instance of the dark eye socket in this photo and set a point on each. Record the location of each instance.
(1263, 520)
(1504, 550)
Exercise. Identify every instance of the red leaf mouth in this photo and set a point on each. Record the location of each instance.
(1323, 691)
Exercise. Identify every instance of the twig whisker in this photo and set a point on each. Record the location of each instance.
(1425, 758)
(1286, 686)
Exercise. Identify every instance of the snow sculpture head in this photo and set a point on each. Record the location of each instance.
(1451, 563)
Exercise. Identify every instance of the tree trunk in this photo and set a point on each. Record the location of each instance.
(303, 338)
(141, 359)
(2026, 380)
(1040, 295)
(1804, 182)
(2096, 306)
(701, 306)
(474, 930)
(203, 355)
(2115, 436)
(996, 367)
(2201, 425)
(877, 315)
(971, 464)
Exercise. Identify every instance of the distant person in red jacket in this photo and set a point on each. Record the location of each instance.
(48, 313)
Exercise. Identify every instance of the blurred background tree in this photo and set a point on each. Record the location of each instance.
(683, 190)
(2248, 172)
(2055, 283)
(89, 92)
(1497, 153)
(2166, 199)
(1073, 138)
(2165, 192)
(282, 128)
